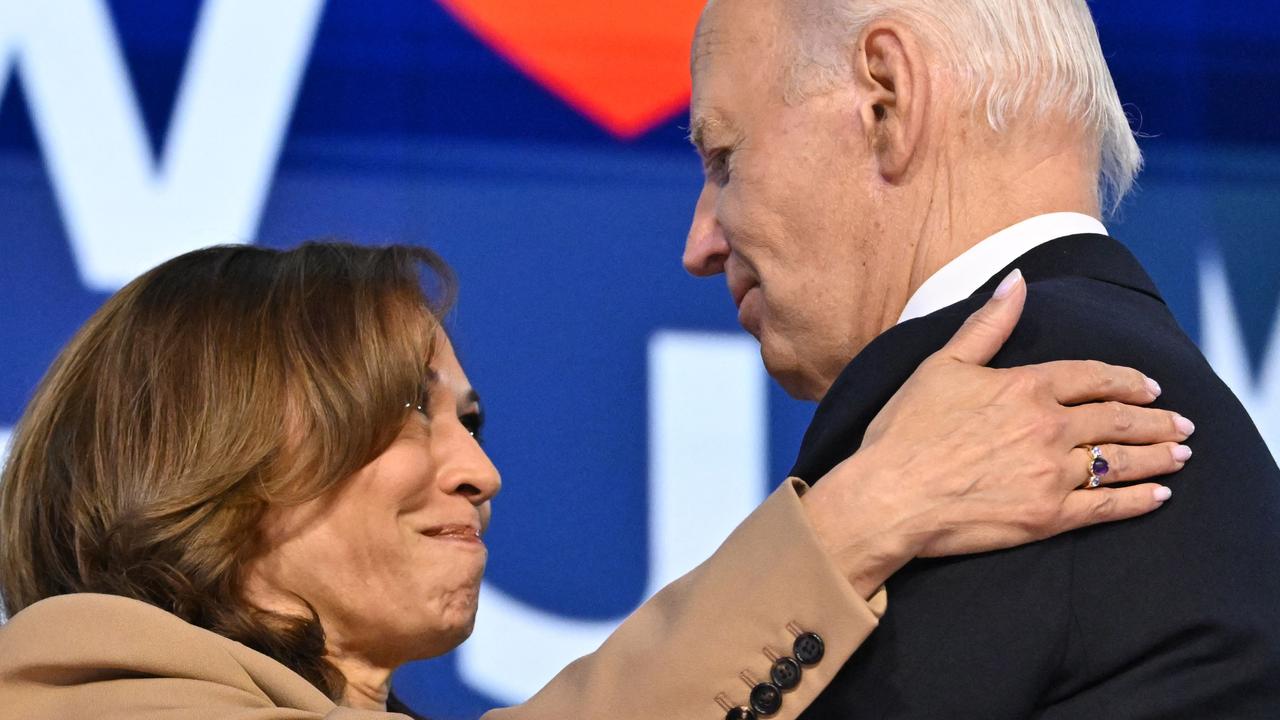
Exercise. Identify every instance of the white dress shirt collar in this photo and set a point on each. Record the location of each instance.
(959, 278)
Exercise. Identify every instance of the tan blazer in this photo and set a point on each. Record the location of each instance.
(693, 651)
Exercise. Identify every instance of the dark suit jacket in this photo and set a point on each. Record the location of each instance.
(1173, 615)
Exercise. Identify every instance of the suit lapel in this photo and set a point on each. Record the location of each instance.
(871, 378)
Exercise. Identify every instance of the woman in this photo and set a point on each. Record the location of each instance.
(251, 486)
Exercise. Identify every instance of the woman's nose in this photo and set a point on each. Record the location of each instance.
(467, 470)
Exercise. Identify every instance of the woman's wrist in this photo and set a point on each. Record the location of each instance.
(866, 535)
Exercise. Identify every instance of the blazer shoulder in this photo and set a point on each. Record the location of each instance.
(82, 641)
(115, 630)
(79, 612)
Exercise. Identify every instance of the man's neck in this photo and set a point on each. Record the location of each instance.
(967, 207)
(961, 277)
(960, 194)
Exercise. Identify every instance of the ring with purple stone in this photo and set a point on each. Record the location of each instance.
(1098, 467)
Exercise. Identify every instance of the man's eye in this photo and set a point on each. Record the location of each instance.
(718, 167)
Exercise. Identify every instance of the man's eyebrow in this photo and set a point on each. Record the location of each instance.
(697, 133)
(703, 125)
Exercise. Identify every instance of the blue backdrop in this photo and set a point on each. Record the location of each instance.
(620, 392)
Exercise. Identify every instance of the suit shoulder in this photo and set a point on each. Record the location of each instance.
(1101, 303)
(1076, 317)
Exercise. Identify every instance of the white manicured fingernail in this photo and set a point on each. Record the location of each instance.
(1008, 284)
(1162, 494)
(1181, 453)
(1154, 387)
(1185, 426)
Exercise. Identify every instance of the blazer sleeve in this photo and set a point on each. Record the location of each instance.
(698, 648)
(693, 651)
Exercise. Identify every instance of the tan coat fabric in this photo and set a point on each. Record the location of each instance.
(112, 658)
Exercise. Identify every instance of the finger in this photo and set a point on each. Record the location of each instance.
(987, 329)
(1079, 381)
(1102, 505)
(1127, 463)
(1114, 422)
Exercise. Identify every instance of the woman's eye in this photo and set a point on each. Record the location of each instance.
(474, 423)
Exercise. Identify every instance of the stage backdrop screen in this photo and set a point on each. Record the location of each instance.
(540, 147)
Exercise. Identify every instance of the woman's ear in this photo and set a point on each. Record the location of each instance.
(893, 85)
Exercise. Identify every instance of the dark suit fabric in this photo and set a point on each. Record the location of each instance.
(1173, 615)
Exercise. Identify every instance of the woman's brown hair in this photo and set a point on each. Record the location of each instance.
(220, 383)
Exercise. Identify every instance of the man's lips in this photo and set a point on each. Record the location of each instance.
(739, 290)
(749, 311)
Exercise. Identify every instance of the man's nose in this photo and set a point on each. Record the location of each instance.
(705, 248)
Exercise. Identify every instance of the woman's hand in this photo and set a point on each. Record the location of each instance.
(966, 459)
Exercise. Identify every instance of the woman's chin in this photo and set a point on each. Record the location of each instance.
(446, 630)
(436, 641)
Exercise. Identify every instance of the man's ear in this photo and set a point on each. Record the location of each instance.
(893, 92)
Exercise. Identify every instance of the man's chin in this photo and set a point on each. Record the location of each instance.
(784, 367)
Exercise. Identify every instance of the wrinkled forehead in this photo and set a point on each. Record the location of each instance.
(735, 31)
(736, 64)
(705, 37)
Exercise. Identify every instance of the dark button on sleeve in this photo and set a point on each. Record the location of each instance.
(785, 673)
(740, 713)
(766, 699)
(809, 648)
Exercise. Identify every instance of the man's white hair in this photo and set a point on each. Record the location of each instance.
(1022, 59)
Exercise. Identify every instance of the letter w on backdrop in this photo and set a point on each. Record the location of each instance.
(126, 211)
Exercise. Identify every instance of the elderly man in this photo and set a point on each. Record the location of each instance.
(873, 168)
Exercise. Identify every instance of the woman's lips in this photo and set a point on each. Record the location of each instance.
(467, 534)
